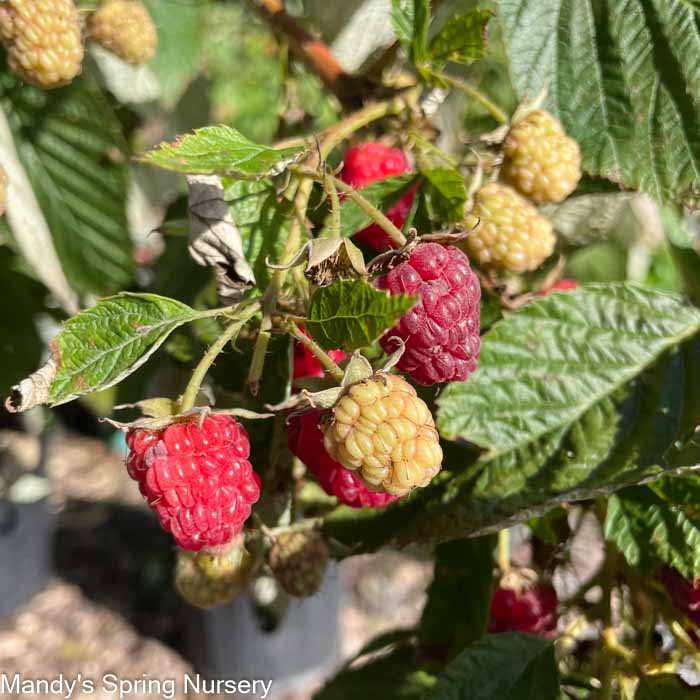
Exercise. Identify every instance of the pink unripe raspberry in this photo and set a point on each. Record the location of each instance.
(532, 609)
(305, 441)
(198, 480)
(370, 162)
(441, 332)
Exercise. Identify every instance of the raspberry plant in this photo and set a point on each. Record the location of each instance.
(449, 292)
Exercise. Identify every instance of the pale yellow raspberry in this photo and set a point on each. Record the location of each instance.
(125, 28)
(511, 234)
(42, 39)
(382, 430)
(541, 161)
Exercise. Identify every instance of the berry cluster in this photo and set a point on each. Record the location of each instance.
(196, 478)
(43, 40)
(541, 163)
(441, 332)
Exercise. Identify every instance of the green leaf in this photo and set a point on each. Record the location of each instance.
(664, 686)
(382, 194)
(70, 144)
(513, 666)
(352, 314)
(262, 222)
(543, 367)
(462, 39)
(457, 610)
(394, 676)
(446, 194)
(622, 77)
(645, 430)
(421, 22)
(402, 16)
(99, 347)
(222, 150)
(658, 524)
(181, 39)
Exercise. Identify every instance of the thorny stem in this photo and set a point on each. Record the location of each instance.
(324, 358)
(335, 135)
(493, 109)
(190, 395)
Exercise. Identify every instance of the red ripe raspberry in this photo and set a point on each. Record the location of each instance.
(532, 610)
(565, 285)
(305, 441)
(306, 364)
(197, 479)
(441, 331)
(370, 162)
(684, 594)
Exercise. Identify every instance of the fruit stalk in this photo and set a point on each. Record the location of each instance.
(493, 109)
(323, 357)
(392, 231)
(190, 396)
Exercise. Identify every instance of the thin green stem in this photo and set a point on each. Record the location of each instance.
(438, 152)
(493, 109)
(323, 357)
(332, 191)
(504, 550)
(367, 207)
(192, 390)
(393, 232)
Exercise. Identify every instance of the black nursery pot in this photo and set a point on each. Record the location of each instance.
(26, 530)
(231, 642)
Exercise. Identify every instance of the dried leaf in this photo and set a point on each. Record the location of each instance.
(215, 241)
(34, 390)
